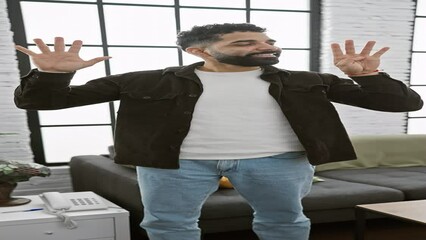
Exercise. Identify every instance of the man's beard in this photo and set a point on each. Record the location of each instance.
(249, 60)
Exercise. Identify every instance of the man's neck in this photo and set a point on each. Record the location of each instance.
(221, 67)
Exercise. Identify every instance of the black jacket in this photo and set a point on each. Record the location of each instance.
(156, 107)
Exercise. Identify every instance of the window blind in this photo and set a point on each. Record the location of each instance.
(390, 23)
(14, 132)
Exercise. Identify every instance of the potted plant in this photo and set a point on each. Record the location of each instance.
(12, 172)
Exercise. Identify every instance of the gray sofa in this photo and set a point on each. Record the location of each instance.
(389, 168)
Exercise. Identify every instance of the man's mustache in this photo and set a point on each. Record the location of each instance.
(276, 53)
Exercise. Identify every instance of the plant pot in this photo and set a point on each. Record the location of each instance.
(6, 200)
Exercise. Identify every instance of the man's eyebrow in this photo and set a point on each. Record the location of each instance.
(251, 41)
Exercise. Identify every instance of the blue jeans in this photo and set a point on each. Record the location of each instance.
(273, 186)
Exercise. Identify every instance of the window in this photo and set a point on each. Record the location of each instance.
(417, 120)
(128, 30)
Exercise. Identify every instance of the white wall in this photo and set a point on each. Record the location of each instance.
(390, 23)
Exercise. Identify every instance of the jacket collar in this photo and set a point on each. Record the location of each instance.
(188, 71)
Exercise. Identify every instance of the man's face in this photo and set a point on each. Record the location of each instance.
(245, 49)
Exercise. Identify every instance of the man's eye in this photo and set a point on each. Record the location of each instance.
(244, 44)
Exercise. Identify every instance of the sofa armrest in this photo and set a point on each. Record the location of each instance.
(106, 178)
(112, 181)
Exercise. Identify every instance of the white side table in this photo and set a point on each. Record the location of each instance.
(108, 224)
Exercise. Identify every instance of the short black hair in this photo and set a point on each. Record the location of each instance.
(212, 33)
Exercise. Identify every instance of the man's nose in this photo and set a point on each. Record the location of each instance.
(267, 46)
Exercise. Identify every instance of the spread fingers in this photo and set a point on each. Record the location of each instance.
(76, 46)
(25, 50)
(337, 51)
(41, 45)
(381, 52)
(59, 44)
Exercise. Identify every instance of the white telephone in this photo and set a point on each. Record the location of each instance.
(74, 201)
(59, 203)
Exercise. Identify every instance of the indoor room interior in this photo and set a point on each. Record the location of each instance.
(76, 144)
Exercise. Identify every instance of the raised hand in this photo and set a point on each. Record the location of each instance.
(354, 64)
(59, 60)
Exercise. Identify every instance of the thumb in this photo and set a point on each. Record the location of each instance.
(93, 61)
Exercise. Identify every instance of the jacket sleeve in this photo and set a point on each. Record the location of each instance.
(378, 92)
(49, 91)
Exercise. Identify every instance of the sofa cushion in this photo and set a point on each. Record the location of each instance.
(411, 180)
(234, 206)
(414, 169)
(402, 150)
(330, 194)
(337, 194)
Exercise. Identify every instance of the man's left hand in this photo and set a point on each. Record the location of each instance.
(357, 64)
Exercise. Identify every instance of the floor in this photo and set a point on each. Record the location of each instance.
(378, 229)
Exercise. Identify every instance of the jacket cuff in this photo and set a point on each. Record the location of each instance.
(381, 83)
(368, 80)
(46, 79)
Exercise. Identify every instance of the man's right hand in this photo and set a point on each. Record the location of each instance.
(59, 61)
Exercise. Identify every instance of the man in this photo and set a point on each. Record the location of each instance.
(232, 115)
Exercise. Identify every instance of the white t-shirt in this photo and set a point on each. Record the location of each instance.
(236, 118)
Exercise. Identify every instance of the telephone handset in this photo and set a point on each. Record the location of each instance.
(75, 201)
(59, 203)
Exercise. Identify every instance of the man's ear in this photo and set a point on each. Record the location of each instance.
(196, 51)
